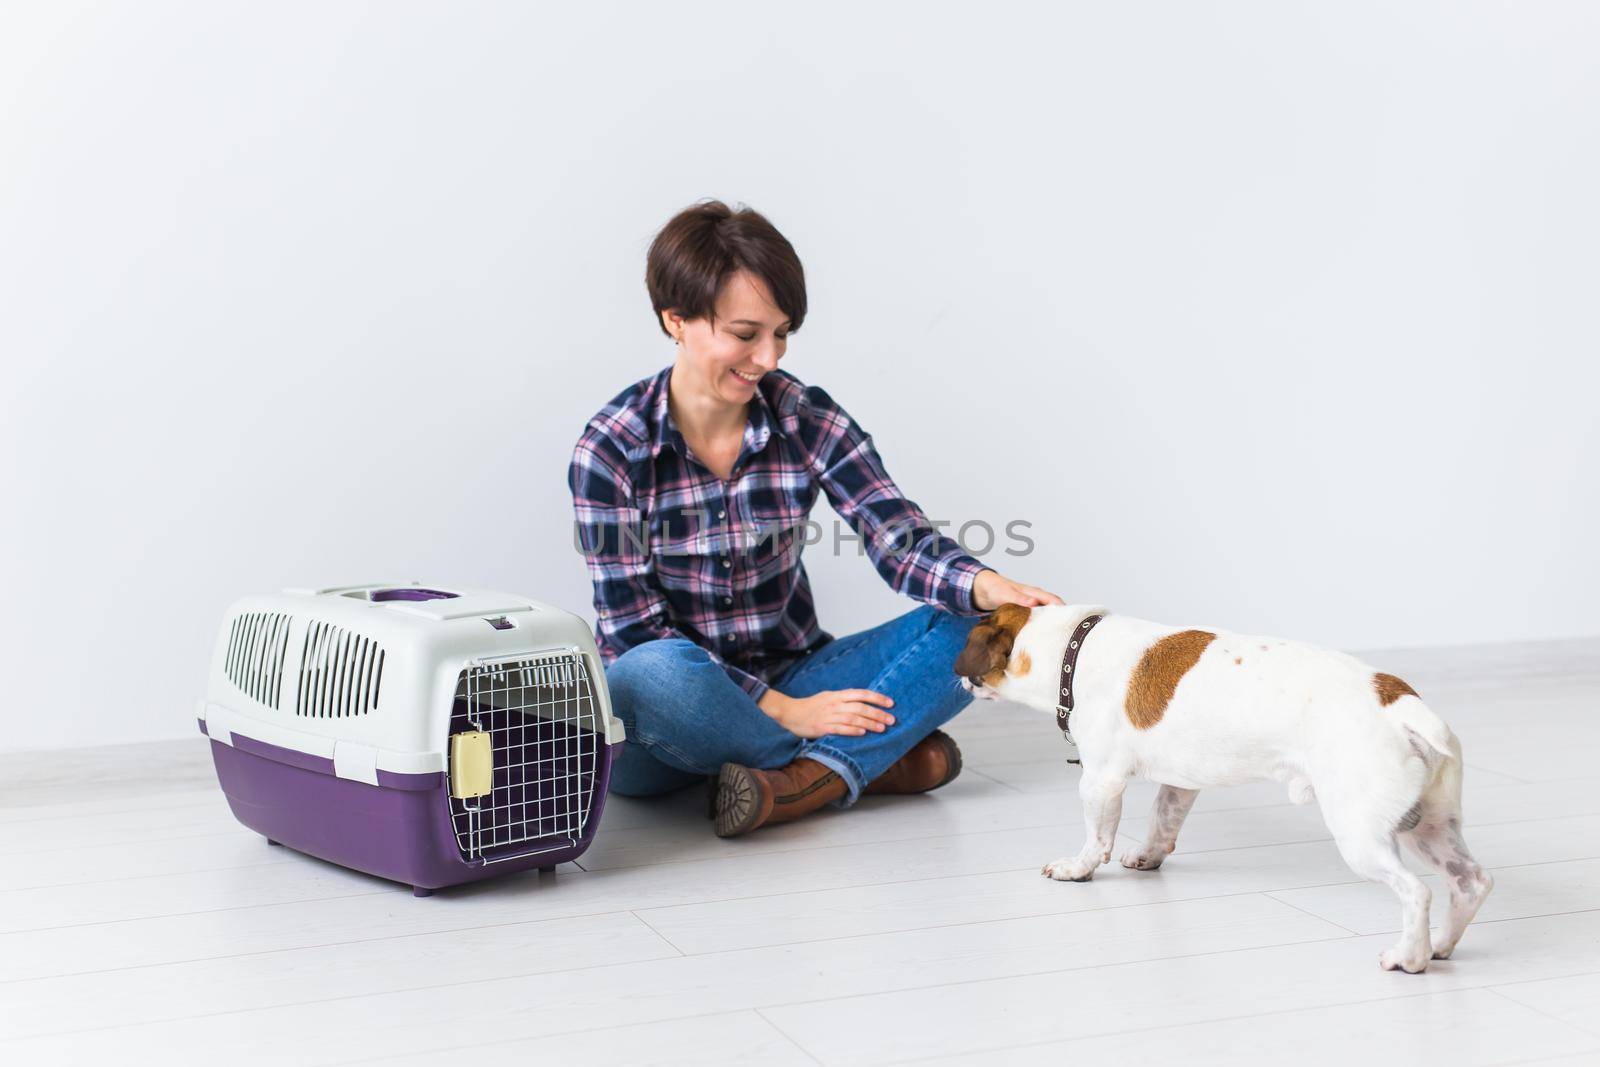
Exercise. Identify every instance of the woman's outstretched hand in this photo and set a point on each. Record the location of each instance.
(990, 589)
(851, 712)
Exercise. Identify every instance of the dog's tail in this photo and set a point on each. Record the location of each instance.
(1427, 732)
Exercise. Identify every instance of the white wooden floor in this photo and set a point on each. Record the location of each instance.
(139, 922)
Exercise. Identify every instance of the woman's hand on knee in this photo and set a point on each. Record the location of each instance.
(850, 712)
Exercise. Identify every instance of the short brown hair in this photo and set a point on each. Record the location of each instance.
(694, 254)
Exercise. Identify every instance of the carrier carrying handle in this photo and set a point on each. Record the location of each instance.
(410, 593)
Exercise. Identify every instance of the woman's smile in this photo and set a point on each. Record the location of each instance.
(744, 377)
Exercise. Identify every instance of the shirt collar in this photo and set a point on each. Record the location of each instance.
(663, 432)
(758, 428)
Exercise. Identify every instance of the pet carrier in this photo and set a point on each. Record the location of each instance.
(427, 736)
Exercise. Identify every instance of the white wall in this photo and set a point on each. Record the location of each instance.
(1269, 316)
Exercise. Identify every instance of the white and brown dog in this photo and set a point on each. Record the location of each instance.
(1191, 709)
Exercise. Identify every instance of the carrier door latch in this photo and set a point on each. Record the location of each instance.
(471, 765)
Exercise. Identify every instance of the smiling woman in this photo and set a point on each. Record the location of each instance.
(714, 656)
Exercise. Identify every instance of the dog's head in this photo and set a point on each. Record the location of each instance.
(983, 664)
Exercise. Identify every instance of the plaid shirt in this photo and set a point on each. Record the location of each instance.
(674, 551)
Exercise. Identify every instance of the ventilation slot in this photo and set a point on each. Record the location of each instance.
(340, 673)
(256, 646)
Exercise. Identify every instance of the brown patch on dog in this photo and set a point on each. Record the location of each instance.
(1390, 688)
(1238, 660)
(1022, 665)
(983, 661)
(1160, 669)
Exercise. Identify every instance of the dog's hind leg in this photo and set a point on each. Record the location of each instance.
(1374, 853)
(1102, 810)
(1166, 819)
(1436, 839)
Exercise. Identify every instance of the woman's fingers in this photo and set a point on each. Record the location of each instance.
(867, 711)
(868, 717)
(1029, 596)
(867, 696)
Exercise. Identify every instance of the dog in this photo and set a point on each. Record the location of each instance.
(1191, 709)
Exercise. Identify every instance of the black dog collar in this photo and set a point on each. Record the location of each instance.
(1069, 660)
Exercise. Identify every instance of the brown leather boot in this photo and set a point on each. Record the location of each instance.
(932, 762)
(748, 798)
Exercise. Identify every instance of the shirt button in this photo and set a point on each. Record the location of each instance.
(727, 563)
(727, 600)
(722, 514)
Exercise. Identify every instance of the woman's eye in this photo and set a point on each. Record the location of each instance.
(742, 337)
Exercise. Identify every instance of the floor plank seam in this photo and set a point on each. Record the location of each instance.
(774, 852)
(1235, 1018)
(1540, 1011)
(664, 938)
(537, 1037)
(213, 799)
(232, 831)
(727, 900)
(996, 781)
(1202, 955)
(183, 914)
(1273, 894)
(626, 963)
(787, 1036)
(168, 1020)
(312, 948)
(635, 914)
(1070, 970)
(1543, 978)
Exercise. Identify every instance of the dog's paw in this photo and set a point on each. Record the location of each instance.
(1142, 859)
(1443, 952)
(1392, 959)
(1068, 870)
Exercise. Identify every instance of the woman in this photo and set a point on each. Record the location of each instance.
(689, 490)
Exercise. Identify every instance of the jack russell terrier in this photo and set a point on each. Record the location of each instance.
(1191, 709)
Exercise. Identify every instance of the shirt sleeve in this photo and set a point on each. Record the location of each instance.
(904, 546)
(629, 606)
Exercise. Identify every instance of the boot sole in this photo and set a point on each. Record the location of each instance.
(739, 801)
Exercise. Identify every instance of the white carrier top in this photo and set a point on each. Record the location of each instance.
(366, 675)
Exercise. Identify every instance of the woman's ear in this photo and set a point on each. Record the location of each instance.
(672, 322)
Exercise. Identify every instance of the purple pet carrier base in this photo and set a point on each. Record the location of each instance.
(399, 829)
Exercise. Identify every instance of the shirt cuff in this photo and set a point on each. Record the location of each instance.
(958, 589)
(748, 682)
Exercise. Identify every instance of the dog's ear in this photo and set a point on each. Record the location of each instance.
(990, 642)
(983, 652)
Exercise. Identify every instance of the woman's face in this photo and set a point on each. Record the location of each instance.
(728, 355)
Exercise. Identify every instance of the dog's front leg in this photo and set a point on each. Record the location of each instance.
(1102, 810)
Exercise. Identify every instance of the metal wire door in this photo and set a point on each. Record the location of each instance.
(539, 712)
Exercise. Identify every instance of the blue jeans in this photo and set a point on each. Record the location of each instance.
(685, 717)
